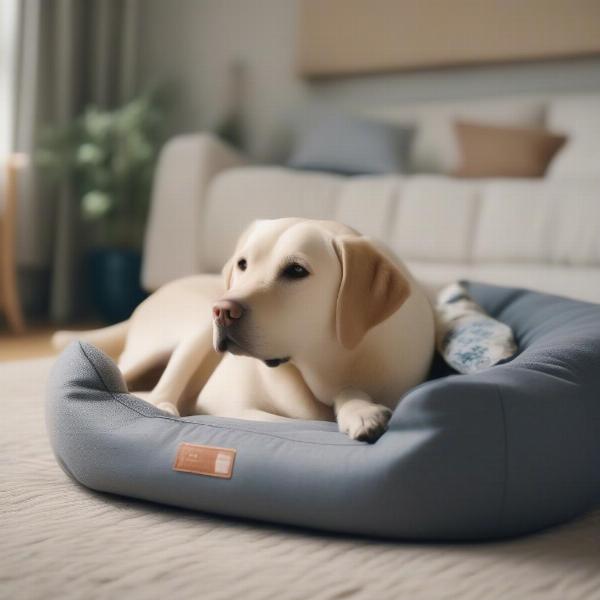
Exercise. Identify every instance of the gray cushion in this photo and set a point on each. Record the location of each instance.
(352, 146)
(498, 453)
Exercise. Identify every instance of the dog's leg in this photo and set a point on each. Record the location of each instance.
(133, 366)
(184, 364)
(252, 414)
(359, 417)
(109, 339)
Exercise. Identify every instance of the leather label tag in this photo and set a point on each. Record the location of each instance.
(205, 460)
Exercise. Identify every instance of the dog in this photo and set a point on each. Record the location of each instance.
(310, 320)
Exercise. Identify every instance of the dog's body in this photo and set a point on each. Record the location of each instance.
(346, 325)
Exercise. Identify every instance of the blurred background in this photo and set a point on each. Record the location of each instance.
(92, 90)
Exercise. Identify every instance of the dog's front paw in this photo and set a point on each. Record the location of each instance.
(363, 421)
(160, 401)
(168, 407)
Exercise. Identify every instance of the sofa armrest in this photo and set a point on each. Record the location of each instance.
(186, 166)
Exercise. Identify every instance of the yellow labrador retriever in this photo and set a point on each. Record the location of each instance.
(310, 321)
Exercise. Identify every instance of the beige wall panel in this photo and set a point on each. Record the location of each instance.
(338, 37)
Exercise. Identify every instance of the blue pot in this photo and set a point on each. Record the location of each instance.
(114, 282)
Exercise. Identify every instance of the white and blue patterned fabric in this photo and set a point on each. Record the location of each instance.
(468, 339)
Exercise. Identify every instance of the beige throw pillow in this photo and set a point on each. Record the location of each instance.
(494, 151)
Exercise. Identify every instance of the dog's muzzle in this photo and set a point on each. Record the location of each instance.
(226, 314)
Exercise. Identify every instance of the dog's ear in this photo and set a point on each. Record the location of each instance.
(227, 269)
(372, 289)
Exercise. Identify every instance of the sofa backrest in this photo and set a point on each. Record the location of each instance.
(426, 220)
(542, 233)
(434, 149)
(432, 218)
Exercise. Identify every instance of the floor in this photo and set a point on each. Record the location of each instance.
(60, 540)
(34, 343)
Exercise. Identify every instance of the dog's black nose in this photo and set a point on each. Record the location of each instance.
(227, 311)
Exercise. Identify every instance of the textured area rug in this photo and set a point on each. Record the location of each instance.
(59, 540)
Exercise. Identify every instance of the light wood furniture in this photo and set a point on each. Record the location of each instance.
(9, 295)
(36, 342)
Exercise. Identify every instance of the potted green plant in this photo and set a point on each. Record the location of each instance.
(109, 157)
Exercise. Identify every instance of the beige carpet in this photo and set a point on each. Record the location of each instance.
(57, 540)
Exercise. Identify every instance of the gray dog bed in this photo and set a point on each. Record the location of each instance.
(502, 452)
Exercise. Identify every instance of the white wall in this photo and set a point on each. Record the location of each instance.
(191, 43)
(8, 75)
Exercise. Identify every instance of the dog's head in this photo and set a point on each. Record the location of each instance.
(295, 287)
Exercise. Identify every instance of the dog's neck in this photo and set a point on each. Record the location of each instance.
(329, 371)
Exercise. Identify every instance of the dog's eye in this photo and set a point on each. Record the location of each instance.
(294, 271)
(242, 264)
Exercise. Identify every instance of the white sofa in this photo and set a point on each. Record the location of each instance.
(539, 233)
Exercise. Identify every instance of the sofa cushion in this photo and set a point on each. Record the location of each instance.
(434, 149)
(434, 219)
(492, 151)
(551, 222)
(352, 146)
(238, 196)
(581, 283)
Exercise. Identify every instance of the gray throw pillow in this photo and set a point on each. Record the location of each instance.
(349, 145)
